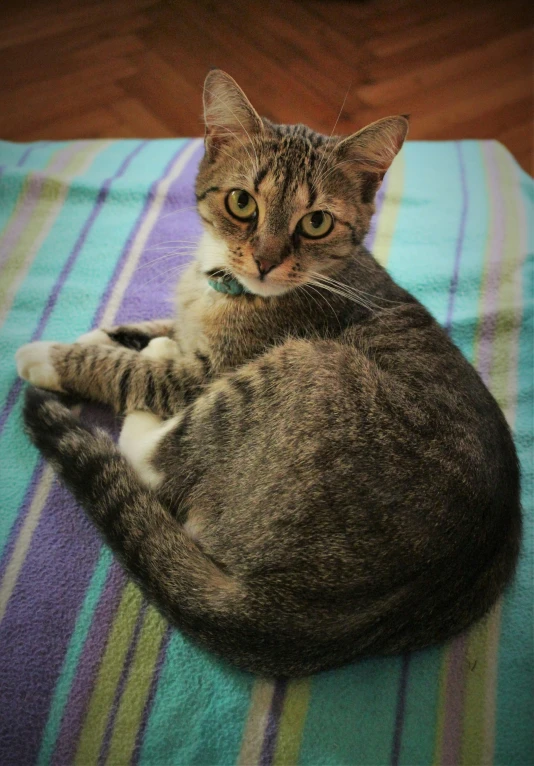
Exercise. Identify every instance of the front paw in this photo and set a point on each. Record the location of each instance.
(34, 364)
(161, 348)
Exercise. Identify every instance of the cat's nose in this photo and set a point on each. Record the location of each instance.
(264, 265)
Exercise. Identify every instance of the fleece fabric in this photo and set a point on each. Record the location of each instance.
(97, 232)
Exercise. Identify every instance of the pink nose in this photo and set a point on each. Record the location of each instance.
(264, 266)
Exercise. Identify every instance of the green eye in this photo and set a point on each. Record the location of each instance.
(241, 205)
(316, 225)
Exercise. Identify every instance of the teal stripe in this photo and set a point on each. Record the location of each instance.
(72, 657)
(352, 714)
(418, 738)
(424, 243)
(192, 680)
(515, 702)
(76, 306)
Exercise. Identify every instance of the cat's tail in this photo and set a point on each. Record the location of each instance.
(173, 571)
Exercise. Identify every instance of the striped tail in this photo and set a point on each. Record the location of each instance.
(170, 568)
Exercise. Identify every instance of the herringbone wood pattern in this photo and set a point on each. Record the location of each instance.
(106, 68)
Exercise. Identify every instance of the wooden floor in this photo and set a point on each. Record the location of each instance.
(105, 68)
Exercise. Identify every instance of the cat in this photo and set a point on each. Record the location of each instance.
(309, 471)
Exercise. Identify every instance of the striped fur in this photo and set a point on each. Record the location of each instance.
(307, 428)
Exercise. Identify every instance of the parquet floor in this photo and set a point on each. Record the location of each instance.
(105, 68)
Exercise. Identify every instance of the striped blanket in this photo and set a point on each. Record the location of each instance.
(96, 232)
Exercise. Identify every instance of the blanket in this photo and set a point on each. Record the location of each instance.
(97, 232)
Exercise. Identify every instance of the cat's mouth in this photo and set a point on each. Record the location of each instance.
(266, 285)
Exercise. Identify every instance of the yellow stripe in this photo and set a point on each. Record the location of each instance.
(108, 677)
(137, 689)
(387, 220)
(292, 721)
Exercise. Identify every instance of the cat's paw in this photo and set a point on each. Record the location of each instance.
(96, 337)
(34, 364)
(161, 348)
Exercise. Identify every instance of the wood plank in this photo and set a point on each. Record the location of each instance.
(89, 68)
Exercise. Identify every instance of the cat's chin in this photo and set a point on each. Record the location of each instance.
(263, 288)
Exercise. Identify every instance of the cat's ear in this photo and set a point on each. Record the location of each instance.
(373, 149)
(228, 114)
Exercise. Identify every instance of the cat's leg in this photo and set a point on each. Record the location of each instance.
(134, 336)
(160, 380)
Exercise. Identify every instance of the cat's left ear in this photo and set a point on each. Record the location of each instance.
(373, 149)
(228, 114)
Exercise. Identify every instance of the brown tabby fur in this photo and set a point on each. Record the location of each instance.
(347, 483)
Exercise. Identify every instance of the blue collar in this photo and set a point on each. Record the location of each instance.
(227, 285)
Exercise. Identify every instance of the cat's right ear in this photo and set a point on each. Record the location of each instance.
(228, 114)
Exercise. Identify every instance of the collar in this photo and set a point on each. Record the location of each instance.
(227, 285)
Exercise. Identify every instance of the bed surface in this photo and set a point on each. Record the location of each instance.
(96, 232)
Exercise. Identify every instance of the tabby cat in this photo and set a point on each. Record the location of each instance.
(309, 471)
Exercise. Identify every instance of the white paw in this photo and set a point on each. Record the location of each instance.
(34, 364)
(95, 338)
(161, 348)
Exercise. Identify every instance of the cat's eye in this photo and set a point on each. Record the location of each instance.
(241, 204)
(316, 225)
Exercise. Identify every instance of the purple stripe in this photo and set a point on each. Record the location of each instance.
(82, 687)
(401, 705)
(271, 730)
(31, 197)
(38, 621)
(67, 268)
(491, 293)
(125, 671)
(460, 240)
(147, 710)
(454, 702)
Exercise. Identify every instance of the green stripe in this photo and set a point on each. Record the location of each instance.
(108, 677)
(135, 695)
(72, 657)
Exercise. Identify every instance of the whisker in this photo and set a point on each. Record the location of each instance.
(326, 158)
(343, 293)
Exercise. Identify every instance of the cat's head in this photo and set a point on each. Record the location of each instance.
(282, 203)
